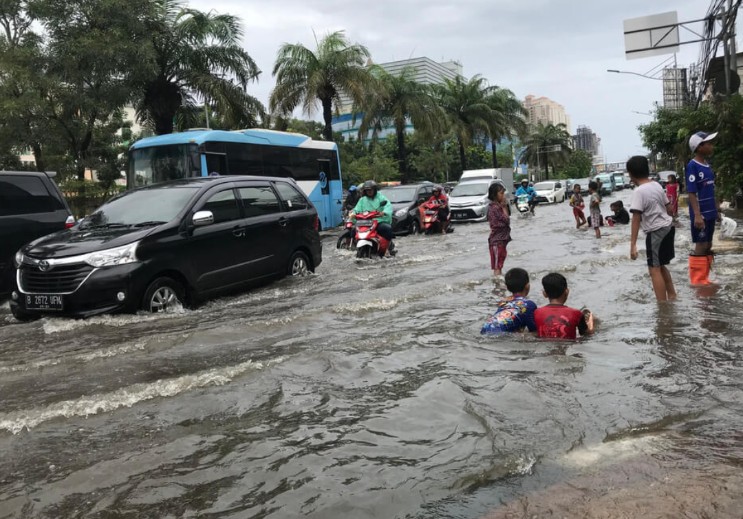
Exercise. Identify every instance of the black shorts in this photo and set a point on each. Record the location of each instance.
(705, 234)
(659, 244)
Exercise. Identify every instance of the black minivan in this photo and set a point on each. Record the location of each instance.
(31, 206)
(173, 243)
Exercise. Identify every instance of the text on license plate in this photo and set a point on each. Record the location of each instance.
(459, 214)
(43, 302)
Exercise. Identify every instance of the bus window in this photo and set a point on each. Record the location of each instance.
(216, 163)
(160, 163)
(245, 159)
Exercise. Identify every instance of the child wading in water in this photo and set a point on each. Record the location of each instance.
(595, 206)
(500, 227)
(672, 192)
(576, 202)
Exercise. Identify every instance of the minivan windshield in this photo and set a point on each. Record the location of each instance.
(141, 207)
(399, 195)
(544, 186)
(473, 189)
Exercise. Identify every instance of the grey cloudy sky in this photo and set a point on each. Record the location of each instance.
(555, 48)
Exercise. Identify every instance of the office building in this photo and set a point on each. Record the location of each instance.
(587, 140)
(426, 71)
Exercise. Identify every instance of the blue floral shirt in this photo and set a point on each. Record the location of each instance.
(511, 316)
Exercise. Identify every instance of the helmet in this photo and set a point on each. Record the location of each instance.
(525, 181)
(370, 184)
(352, 189)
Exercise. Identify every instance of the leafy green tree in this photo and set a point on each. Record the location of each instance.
(397, 100)
(578, 165)
(374, 166)
(304, 77)
(466, 110)
(548, 145)
(196, 55)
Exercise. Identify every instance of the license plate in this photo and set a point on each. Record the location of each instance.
(459, 215)
(44, 302)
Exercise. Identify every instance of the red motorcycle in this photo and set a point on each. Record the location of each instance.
(369, 242)
(347, 240)
(429, 217)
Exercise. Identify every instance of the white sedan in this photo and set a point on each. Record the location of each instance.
(550, 191)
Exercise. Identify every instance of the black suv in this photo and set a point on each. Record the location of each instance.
(405, 201)
(174, 243)
(31, 206)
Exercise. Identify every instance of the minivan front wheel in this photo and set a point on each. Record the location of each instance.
(163, 295)
(299, 264)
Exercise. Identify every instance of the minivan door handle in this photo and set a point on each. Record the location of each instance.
(283, 221)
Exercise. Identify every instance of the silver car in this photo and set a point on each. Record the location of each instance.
(468, 201)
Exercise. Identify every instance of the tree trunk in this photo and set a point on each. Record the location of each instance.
(327, 115)
(38, 157)
(495, 155)
(546, 168)
(401, 153)
(462, 157)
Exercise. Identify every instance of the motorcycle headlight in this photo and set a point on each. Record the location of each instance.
(401, 212)
(18, 259)
(116, 256)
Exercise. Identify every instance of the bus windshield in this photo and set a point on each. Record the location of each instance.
(160, 163)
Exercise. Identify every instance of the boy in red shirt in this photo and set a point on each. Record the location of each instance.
(557, 321)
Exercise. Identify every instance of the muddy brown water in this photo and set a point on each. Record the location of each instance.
(366, 391)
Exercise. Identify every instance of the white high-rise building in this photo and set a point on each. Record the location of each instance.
(546, 111)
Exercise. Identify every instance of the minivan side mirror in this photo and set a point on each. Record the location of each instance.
(201, 218)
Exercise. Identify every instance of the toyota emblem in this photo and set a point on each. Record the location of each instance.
(44, 265)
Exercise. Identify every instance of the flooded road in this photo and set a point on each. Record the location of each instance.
(366, 391)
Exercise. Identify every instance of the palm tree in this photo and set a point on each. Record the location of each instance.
(397, 100)
(548, 144)
(304, 77)
(509, 119)
(466, 109)
(197, 55)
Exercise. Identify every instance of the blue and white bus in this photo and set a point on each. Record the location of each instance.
(314, 165)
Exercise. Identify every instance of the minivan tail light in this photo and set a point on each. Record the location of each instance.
(69, 222)
(317, 223)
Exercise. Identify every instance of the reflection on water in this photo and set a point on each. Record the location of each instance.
(367, 391)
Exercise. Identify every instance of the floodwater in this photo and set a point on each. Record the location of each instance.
(366, 391)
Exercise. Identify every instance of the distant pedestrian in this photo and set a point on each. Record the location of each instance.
(651, 211)
(594, 205)
(500, 227)
(672, 192)
(704, 209)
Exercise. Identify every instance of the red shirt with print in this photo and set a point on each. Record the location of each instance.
(559, 322)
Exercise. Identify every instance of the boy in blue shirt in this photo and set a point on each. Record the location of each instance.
(516, 312)
(704, 209)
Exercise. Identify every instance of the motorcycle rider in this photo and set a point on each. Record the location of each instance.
(351, 199)
(373, 200)
(526, 189)
(439, 197)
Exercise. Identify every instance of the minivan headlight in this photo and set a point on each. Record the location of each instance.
(401, 212)
(18, 259)
(116, 256)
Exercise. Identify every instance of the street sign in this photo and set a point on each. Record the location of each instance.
(651, 35)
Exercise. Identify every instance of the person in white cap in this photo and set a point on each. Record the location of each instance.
(704, 209)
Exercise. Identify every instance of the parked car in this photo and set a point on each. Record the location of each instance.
(607, 183)
(160, 246)
(31, 206)
(618, 181)
(550, 191)
(405, 201)
(628, 181)
(468, 201)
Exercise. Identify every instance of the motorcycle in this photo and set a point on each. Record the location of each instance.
(368, 241)
(347, 240)
(522, 205)
(429, 218)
